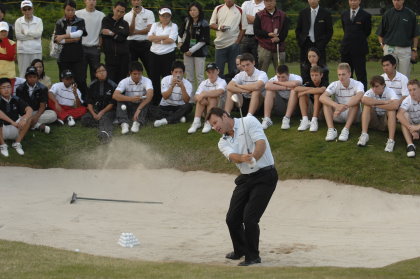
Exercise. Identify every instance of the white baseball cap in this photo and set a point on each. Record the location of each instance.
(4, 26)
(26, 3)
(165, 11)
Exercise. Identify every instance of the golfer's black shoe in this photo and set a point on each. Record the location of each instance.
(250, 262)
(233, 256)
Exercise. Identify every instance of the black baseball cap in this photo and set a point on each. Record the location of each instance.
(212, 66)
(31, 71)
(66, 74)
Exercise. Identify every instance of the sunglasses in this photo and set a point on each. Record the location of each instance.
(26, 9)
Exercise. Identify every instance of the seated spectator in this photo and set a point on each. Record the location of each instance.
(281, 84)
(15, 119)
(66, 100)
(313, 59)
(207, 97)
(409, 116)
(100, 105)
(380, 105)
(230, 76)
(346, 106)
(394, 79)
(2, 15)
(176, 93)
(134, 94)
(35, 94)
(7, 52)
(248, 84)
(42, 77)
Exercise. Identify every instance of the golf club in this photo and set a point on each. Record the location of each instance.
(74, 198)
(277, 46)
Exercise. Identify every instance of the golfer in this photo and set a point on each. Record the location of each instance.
(254, 186)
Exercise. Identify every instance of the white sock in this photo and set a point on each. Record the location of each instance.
(314, 118)
(286, 117)
(197, 120)
(305, 118)
(249, 114)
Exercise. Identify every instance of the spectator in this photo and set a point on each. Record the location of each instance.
(398, 35)
(207, 97)
(176, 93)
(354, 46)
(35, 94)
(91, 43)
(163, 35)
(115, 31)
(314, 29)
(42, 77)
(194, 36)
(7, 53)
(394, 79)
(230, 23)
(140, 20)
(16, 118)
(68, 32)
(271, 27)
(10, 35)
(313, 59)
(100, 105)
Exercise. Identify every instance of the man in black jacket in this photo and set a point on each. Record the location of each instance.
(314, 29)
(115, 31)
(357, 26)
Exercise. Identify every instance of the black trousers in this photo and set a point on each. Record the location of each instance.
(117, 66)
(248, 203)
(172, 113)
(357, 63)
(249, 44)
(77, 69)
(140, 50)
(304, 53)
(160, 67)
(104, 124)
(126, 116)
(91, 58)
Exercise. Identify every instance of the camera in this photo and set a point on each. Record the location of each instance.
(179, 78)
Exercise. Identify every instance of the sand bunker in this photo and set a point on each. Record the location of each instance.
(307, 223)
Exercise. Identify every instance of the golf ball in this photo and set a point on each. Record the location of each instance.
(123, 107)
(76, 250)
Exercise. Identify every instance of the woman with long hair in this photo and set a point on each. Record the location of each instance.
(43, 78)
(313, 59)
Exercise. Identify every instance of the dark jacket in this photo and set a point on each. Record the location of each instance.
(99, 97)
(323, 28)
(356, 33)
(13, 109)
(200, 32)
(39, 95)
(265, 23)
(116, 44)
(71, 52)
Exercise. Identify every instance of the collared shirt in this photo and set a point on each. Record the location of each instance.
(93, 24)
(143, 19)
(33, 96)
(13, 108)
(64, 95)
(398, 84)
(28, 35)
(285, 94)
(238, 144)
(343, 94)
(242, 78)
(251, 8)
(311, 33)
(388, 94)
(413, 108)
(356, 11)
(207, 85)
(170, 30)
(175, 99)
(129, 88)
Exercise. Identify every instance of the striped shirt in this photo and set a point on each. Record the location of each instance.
(175, 99)
(344, 94)
(412, 107)
(243, 78)
(399, 84)
(387, 95)
(64, 95)
(129, 88)
(207, 85)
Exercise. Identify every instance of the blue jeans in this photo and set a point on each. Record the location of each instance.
(227, 55)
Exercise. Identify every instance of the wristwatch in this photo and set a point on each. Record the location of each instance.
(414, 49)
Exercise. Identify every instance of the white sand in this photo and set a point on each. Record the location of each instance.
(307, 223)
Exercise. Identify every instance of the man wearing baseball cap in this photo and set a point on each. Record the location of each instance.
(7, 52)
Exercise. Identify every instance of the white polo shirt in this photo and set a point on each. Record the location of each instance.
(242, 78)
(93, 24)
(170, 30)
(232, 17)
(129, 88)
(412, 107)
(285, 94)
(343, 94)
(144, 18)
(207, 85)
(64, 95)
(398, 84)
(237, 144)
(251, 8)
(387, 95)
(175, 99)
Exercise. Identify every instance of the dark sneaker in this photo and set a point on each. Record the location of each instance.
(411, 151)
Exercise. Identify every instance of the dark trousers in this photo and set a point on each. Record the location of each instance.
(126, 116)
(250, 45)
(91, 58)
(104, 124)
(117, 66)
(160, 67)
(357, 63)
(248, 203)
(172, 113)
(77, 69)
(304, 53)
(140, 50)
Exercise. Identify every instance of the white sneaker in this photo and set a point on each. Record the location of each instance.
(3, 150)
(331, 134)
(304, 125)
(363, 139)
(206, 128)
(47, 129)
(314, 125)
(18, 147)
(160, 122)
(344, 135)
(70, 121)
(389, 147)
(136, 127)
(266, 122)
(285, 124)
(194, 127)
(183, 119)
(124, 128)
(60, 121)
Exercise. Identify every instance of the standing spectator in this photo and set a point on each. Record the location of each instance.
(311, 61)
(249, 44)
(7, 53)
(68, 32)
(2, 15)
(398, 35)
(271, 27)
(194, 36)
(354, 46)
(42, 77)
(115, 31)
(91, 43)
(28, 35)
(163, 35)
(230, 22)
(140, 20)
(314, 29)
